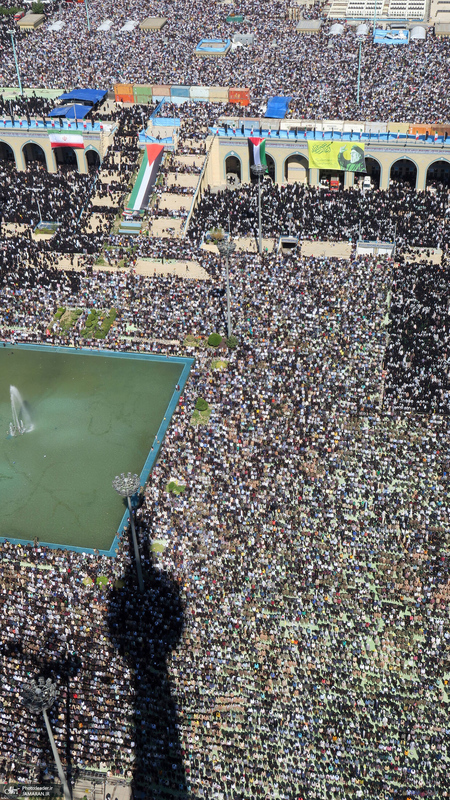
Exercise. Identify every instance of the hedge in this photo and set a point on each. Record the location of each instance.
(214, 339)
(201, 404)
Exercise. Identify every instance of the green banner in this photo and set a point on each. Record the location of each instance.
(335, 155)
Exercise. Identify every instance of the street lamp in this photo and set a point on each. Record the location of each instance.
(37, 201)
(259, 170)
(15, 60)
(127, 486)
(87, 15)
(226, 247)
(359, 73)
(290, 217)
(39, 696)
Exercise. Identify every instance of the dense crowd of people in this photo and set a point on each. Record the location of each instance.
(301, 601)
(411, 218)
(292, 638)
(397, 83)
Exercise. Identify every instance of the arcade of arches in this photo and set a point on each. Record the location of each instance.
(34, 154)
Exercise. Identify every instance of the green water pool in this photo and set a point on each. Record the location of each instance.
(95, 415)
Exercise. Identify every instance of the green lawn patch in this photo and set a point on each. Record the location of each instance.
(98, 323)
(202, 412)
(158, 546)
(68, 318)
(192, 341)
(219, 363)
(102, 580)
(175, 488)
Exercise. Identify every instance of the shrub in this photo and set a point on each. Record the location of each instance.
(201, 404)
(216, 234)
(37, 8)
(7, 12)
(232, 342)
(214, 339)
(59, 313)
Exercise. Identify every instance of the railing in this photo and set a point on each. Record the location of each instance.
(197, 190)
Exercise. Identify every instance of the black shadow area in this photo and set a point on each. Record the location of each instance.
(417, 357)
(145, 628)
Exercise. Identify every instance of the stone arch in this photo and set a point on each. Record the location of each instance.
(438, 171)
(232, 166)
(271, 167)
(374, 170)
(34, 153)
(7, 154)
(66, 158)
(404, 169)
(296, 168)
(93, 160)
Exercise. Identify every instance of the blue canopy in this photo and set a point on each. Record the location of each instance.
(277, 107)
(74, 111)
(92, 96)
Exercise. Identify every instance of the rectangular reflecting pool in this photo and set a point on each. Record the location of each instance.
(94, 415)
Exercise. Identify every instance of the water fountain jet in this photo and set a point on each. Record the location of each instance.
(21, 420)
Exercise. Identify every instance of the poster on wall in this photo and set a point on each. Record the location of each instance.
(348, 157)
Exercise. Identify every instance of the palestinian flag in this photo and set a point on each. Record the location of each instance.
(146, 177)
(257, 151)
(66, 140)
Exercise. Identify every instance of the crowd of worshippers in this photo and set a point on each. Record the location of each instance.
(396, 83)
(401, 213)
(294, 632)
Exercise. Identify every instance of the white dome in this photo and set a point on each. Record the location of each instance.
(337, 29)
(362, 30)
(418, 32)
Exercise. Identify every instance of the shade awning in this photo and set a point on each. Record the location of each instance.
(74, 111)
(277, 107)
(84, 95)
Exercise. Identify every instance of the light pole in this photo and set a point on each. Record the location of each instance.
(40, 696)
(37, 201)
(259, 170)
(359, 73)
(127, 486)
(15, 60)
(290, 217)
(226, 247)
(87, 15)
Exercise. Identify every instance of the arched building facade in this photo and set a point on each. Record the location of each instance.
(24, 145)
(417, 163)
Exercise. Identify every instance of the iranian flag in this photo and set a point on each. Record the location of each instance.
(66, 140)
(257, 151)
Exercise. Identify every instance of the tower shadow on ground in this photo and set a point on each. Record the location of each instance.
(145, 627)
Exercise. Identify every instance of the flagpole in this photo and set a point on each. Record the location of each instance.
(359, 74)
(16, 61)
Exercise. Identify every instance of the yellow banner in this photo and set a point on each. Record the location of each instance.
(348, 157)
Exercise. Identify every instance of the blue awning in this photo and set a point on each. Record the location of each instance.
(277, 107)
(92, 96)
(74, 111)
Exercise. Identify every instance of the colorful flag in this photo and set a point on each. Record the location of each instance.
(257, 151)
(435, 136)
(66, 140)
